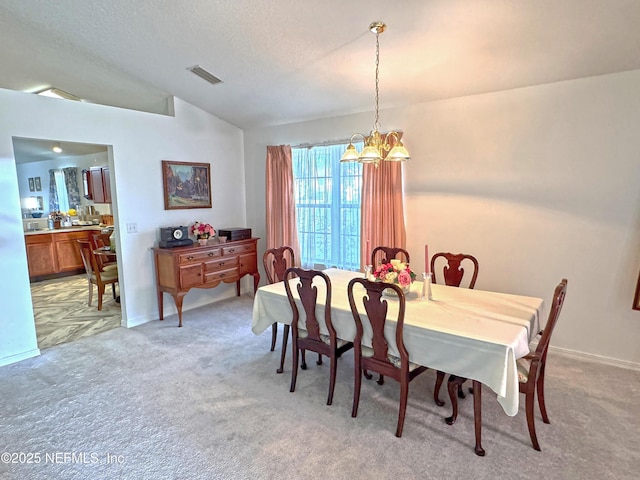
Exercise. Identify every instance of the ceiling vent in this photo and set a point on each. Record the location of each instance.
(202, 73)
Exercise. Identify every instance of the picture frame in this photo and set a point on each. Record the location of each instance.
(186, 185)
(32, 185)
(38, 184)
(636, 298)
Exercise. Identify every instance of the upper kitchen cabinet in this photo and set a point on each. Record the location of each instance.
(97, 184)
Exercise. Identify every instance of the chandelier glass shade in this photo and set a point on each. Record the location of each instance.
(376, 144)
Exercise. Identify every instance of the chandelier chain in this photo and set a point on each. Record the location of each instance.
(376, 125)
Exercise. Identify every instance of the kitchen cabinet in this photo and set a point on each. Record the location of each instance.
(55, 254)
(97, 184)
(180, 269)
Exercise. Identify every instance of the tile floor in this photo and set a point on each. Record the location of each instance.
(62, 314)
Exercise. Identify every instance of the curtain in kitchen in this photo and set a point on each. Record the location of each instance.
(280, 200)
(71, 182)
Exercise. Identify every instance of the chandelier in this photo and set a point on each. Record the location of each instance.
(374, 143)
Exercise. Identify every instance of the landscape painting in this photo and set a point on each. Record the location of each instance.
(186, 185)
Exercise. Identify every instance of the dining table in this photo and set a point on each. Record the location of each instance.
(469, 333)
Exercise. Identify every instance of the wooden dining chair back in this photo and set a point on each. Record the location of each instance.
(386, 254)
(94, 275)
(313, 285)
(275, 262)
(366, 296)
(453, 271)
(101, 240)
(531, 368)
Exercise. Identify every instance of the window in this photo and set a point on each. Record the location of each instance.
(61, 188)
(327, 196)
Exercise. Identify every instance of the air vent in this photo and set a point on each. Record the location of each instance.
(202, 73)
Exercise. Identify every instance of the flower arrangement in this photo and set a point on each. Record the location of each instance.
(395, 272)
(202, 230)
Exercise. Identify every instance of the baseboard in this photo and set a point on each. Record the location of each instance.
(565, 352)
(19, 357)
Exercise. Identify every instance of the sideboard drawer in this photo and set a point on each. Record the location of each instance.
(223, 263)
(238, 249)
(230, 275)
(199, 256)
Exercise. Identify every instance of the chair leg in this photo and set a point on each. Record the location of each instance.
(319, 361)
(404, 394)
(113, 289)
(366, 374)
(294, 366)
(436, 388)
(452, 387)
(100, 294)
(540, 388)
(283, 354)
(274, 335)
(461, 392)
(356, 387)
(90, 294)
(529, 405)
(333, 367)
(380, 380)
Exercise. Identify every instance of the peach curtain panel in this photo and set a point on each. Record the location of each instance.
(382, 208)
(280, 201)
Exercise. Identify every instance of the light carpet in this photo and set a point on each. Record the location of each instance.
(204, 402)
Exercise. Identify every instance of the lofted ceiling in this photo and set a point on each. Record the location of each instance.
(283, 61)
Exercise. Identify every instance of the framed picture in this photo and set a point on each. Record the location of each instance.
(186, 185)
(636, 299)
(32, 185)
(38, 184)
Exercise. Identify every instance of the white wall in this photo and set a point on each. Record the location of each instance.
(538, 183)
(138, 144)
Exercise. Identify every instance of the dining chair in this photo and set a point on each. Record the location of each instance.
(308, 337)
(101, 240)
(452, 268)
(276, 261)
(94, 275)
(385, 254)
(453, 273)
(376, 358)
(531, 368)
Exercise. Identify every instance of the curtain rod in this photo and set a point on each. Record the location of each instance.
(321, 144)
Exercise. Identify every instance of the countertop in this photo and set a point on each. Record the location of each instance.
(66, 229)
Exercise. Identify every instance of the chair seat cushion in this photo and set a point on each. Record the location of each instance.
(108, 275)
(325, 338)
(523, 369)
(110, 266)
(396, 361)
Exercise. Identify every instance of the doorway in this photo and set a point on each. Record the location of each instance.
(60, 301)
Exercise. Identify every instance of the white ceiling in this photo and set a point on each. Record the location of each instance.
(283, 61)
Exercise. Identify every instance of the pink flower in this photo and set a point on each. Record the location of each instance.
(404, 278)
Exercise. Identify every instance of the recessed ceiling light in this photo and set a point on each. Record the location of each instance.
(57, 93)
(56, 148)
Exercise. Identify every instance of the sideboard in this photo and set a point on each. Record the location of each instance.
(180, 269)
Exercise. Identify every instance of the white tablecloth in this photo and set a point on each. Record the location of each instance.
(469, 333)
